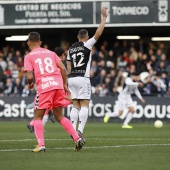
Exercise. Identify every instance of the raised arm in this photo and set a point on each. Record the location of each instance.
(100, 28)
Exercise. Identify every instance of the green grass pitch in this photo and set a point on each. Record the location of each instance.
(108, 147)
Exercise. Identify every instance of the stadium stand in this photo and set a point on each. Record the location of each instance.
(110, 65)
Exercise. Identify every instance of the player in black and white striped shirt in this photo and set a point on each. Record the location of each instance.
(78, 65)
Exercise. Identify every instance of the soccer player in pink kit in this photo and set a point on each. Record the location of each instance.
(51, 81)
(48, 113)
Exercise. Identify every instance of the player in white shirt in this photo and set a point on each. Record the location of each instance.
(125, 101)
(78, 66)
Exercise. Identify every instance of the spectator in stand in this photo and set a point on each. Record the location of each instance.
(151, 63)
(142, 64)
(15, 58)
(18, 88)
(132, 61)
(103, 90)
(122, 55)
(151, 45)
(149, 87)
(15, 71)
(97, 90)
(165, 80)
(112, 77)
(9, 57)
(10, 65)
(95, 54)
(114, 92)
(92, 78)
(125, 56)
(9, 87)
(121, 63)
(168, 71)
(1, 89)
(162, 59)
(132, 69)
(141, 46)
(3, 63)
(24, 79)
(110, 66)
(104, 50)
(158, 53)
(1, 74)
(120, 80)
(152, 73)
(116, 48)
(134, 53)
(94, 67)
(162, 46)
(102, 66)
(124, 47)
(20, 61)
(5, 50)
(111, 57)
(161, 68)
(23, 48)
(105, 44)
(26, 91)
(101, 77)
(150, 53)
(161, 86)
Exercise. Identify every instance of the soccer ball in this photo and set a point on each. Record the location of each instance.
(158, 123)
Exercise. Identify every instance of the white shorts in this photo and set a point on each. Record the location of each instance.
(80, 87)
(125, 103)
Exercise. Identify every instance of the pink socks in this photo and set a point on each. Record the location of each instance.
(32, 122)
(39, 132)
(69, 128)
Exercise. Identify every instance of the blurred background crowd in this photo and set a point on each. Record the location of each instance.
(111, 64)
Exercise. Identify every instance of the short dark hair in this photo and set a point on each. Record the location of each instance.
(33, 37)
(158, 74)
(82, 33)
(134, 74)
(59, 51)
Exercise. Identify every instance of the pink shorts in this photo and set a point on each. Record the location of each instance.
(49, 100)
(66, 103)
(46, 112)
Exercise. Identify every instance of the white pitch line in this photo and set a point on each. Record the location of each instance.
(124, 139)
(92, 147)
(93, 139)
(26, 140)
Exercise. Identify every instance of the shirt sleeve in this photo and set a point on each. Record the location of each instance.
(129, 82)
(89, 44)
(27, 64)
(137, 93)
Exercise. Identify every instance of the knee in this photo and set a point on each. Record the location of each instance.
(120, 113)
(132, 111)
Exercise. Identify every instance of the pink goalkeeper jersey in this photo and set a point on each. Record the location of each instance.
(44, 64)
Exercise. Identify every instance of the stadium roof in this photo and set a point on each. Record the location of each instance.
(59, 0)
